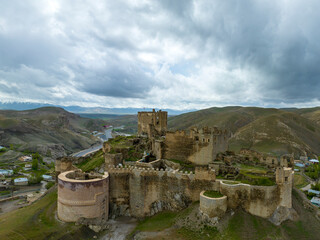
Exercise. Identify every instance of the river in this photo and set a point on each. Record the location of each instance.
(102, 136)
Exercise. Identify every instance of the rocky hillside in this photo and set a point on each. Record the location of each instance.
(268, 130)
(48, 130)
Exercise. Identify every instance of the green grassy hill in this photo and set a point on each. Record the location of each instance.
(38, 221)
(26, 130)
(268, 130)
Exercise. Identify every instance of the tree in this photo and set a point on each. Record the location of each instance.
(38, 157)
(35, 164)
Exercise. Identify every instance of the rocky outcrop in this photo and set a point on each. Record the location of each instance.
(282, 214)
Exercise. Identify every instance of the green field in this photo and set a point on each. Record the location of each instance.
(97, 160)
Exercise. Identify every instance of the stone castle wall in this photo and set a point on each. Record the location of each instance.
(199, 146)
(256, 200)
(82, 199)
(64, 164)
(142, 192)
(261, 201)
(156, 119)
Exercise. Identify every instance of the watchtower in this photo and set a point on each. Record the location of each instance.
(151, 123)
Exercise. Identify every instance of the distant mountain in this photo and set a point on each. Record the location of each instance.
(78, 109)
(267, 130)
(47, 128)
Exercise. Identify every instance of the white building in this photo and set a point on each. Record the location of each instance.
(4, 172)
(315, 201)
(21, 181)
(47, 177)
(25, 159)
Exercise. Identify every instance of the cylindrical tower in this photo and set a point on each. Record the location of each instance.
(81, 195)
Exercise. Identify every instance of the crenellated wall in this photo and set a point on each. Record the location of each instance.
(143, 192)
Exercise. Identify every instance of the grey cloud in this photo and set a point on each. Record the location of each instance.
(118, 79)
(274, 42)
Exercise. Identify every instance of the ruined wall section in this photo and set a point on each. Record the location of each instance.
(199, 146)
(143, 192)
(256, 200)
(284, 179)
(178, 145)
(64, 164)
(150, 121)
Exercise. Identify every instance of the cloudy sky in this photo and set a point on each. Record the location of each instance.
(165, 54)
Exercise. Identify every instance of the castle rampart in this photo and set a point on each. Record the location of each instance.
(141, 192)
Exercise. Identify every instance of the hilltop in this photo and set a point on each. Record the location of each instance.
(267, 130)
(46, 128)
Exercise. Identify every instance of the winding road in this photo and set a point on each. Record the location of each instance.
(103, 137)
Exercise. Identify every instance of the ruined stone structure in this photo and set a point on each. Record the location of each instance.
(262, 201)
(152, 123)
(286, 160)
(199, 146)
(83, 196)
(141, 192)
(213, 207)
(63, 164)
(153, 184)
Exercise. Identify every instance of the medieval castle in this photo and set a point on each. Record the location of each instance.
(162, 179)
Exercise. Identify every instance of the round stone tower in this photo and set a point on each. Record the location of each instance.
(83, 196)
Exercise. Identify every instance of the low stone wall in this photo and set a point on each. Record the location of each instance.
(213, 207)
(261, 201)
(83, 198)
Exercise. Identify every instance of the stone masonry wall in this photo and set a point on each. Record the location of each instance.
(156, 119)
(256, 200)
(79, 199)
(213, 207)
(196, 147)
(143, 192)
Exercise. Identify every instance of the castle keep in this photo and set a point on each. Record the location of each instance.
(150, 123)
(162, 179)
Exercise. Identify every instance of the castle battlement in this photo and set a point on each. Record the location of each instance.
(199, 174)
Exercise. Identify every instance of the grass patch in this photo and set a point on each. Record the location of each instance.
(300, 181)
(36, 221)
(120, 141)
(212, 194)
(248, 177)
(6, 192)
(185, 165)
(158, 222)
(204, 233)
(91, 163)
(254, 169)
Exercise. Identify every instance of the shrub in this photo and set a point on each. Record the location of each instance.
(49, 185)
(36, 178)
